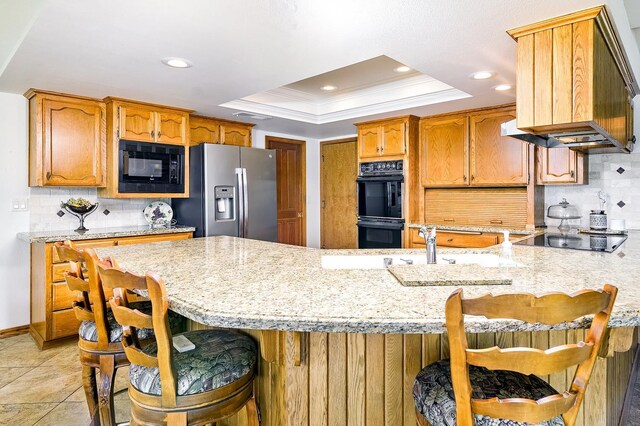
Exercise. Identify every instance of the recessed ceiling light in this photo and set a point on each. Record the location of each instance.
(328, 88)
(177, 62)
(503, 87)
(481, 75)
(403, 68)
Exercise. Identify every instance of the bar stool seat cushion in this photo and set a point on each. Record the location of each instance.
(89, 332)
(434, 398)
(220, 357)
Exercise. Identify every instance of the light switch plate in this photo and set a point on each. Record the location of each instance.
(19, 204)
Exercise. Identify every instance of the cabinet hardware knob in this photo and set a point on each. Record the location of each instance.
(153, 134)
(48, 175)
(573, 174)
(450, 240)
(378, 149)
(473, 177)
(464, 178)
(159, 134)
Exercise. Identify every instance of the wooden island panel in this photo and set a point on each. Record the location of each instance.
(367, 379)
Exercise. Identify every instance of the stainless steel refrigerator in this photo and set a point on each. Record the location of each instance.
(232, 191)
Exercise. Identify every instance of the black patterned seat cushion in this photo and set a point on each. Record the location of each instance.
(434, 398)
(220, 358)
(88, 330)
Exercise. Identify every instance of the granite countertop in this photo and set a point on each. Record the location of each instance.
(241, 283)
(96, 233)
(470, 228)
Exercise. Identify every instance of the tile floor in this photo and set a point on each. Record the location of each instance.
(45, 387)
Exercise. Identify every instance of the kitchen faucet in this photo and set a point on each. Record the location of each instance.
(430, 240)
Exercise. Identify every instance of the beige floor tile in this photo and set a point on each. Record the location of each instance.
(8, 341)
(77, 396)
(67, 355)
(25, 353)
(43, 384)
(9, 374)
(23, 414)
(123, 407)
(67, 414)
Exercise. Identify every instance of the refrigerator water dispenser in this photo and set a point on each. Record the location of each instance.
(225, 205)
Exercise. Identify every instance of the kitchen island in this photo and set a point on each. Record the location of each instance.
(342, 341)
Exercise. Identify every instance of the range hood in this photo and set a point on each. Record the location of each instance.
(580, 140)
(574, 84)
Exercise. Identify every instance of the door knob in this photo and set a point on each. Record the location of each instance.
(299, 214)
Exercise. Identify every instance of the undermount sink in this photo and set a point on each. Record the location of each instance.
(378, 261)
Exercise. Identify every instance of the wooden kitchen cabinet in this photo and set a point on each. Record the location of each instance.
(369, 141)
(235, 134)
(213, 130)
(444, 146)
(150, 123)
(52, 316)
(469, 150)
(560, 166)
(496, 160)
(384, 139)
(394, 138)
(137, 123)
(67, 138)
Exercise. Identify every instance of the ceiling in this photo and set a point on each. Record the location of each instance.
(358, 90)
(242, 49)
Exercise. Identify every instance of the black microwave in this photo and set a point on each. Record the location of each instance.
(150, 167)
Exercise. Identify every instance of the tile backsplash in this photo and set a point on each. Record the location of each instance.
(618, 176)
(45, 204)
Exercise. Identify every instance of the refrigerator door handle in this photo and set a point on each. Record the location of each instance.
(241, 194)
(245, 200)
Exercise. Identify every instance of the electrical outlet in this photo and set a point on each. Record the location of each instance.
(19, 204)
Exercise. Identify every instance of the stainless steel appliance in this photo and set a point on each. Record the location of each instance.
(232, 191)
(150, 167)
(380, 220)
(603, 243)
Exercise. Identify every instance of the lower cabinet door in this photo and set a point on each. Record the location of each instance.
(64, 323)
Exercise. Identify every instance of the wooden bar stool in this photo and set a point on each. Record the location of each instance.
(200, 386)
(100, 334)
(500, 387)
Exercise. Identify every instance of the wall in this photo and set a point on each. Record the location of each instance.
(621, 186)
(45, 204)
(313, 180)
(14, 254)
(617, 175)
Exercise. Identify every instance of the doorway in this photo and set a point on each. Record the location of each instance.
(291, 189)
(338, 173)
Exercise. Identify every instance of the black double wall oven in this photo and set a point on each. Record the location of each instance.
(380, 220)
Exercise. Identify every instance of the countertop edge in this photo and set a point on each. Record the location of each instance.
(33, 237)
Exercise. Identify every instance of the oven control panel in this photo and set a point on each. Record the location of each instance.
(382, 168)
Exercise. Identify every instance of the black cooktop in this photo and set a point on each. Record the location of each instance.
(591, 242)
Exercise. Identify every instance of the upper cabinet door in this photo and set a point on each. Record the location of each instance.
(369, 140)
(394, 136)
(234, 134)
(204, 130)
(444, 152)
(495, 159)
(559, 166)
(171, 127)
(137, 124)
(74, 137)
